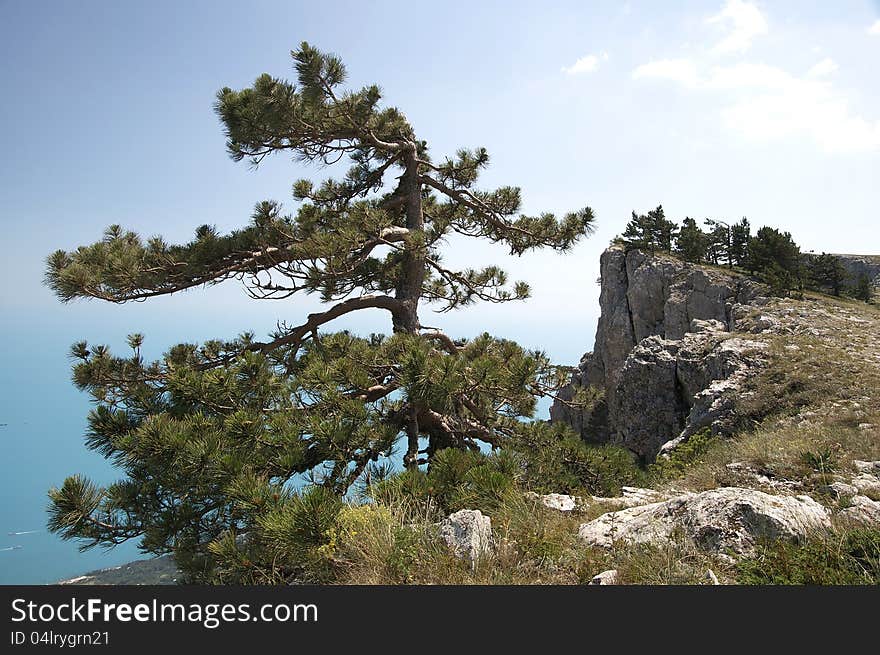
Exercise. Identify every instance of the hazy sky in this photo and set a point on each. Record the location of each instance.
(714, 109)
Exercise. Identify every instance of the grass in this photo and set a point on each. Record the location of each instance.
(800, 418)
(398, 544)
(843, 556)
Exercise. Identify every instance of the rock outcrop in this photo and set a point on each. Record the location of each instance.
(664, 358)
(725, 520)
(468, 533)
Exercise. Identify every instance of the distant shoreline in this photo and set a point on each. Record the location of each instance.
(156, 571)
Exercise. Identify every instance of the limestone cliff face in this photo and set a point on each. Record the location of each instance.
(856, 265)
(663, 355)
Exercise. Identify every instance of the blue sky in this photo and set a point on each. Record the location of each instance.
(722, 109)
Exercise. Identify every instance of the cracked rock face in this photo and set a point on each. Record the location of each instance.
(728, 519)
(468, 533)
(663, 353)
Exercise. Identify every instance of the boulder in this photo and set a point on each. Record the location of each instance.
(720, 520)
(862, 510)
(468, 533)
(606, 578)
(840, 489)
(560, 502)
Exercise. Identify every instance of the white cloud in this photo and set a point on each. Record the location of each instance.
(683, 71)
(765, 103)
(745, 22)
(875, 28)
(588, 64)
(825, 67)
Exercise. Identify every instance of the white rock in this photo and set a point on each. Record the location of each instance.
(867, 467)
(866, 484)
(842, 489)
(606, 578)
(720, 519)
(468, 533)
(708, 326)
(633, 497)
(765, 323)
(560, 502)
(863, 510)
(641, 495)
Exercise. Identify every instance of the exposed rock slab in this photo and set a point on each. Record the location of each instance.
(872, 468)
(668, 390)
(720, 520)
(560, 502)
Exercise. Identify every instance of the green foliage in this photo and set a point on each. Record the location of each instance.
(826, 272)
(691, 242)
(456, 479)
(850, 557)
(287, 537)
(863, 290)
(684, 456)
(776, 257)
(650, 232)
(740, 235)
(719, 242)
(556, 460)
(822, 461)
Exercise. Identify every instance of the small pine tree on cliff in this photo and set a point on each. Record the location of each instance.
(650, 232)
(777, 258)
(740, 234)
(691, 242)
(211, 437)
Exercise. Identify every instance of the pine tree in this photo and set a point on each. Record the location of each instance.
(740, 234)
(775, 255)
(720, 242)
(651, 231)
(827, 272)
(691, 242)
(211, 438)
(639, 234)
(863, 289)
(664, 230)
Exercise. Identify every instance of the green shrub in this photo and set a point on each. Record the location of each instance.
(556, 460)
(823, 460)
(457, 479)
(683, 457)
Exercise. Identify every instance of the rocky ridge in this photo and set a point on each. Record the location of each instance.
(665, 359)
